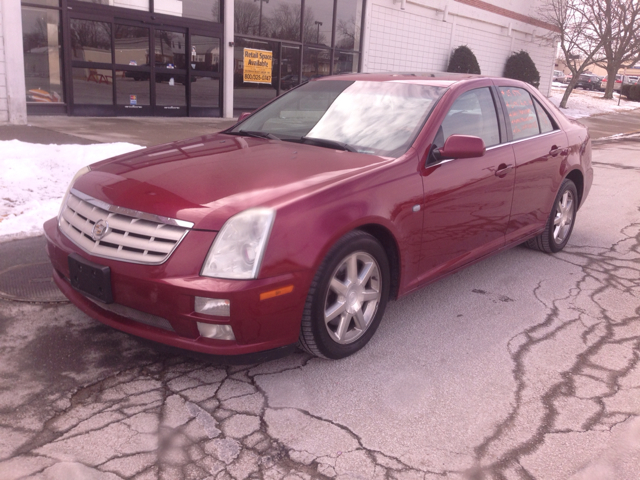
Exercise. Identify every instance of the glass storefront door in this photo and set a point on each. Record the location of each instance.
(205, 70)
(132, 67)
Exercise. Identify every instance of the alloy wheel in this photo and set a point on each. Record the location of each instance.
(352, 298)
(564, 217)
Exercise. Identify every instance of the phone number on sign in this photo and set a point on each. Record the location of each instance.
(257, 77)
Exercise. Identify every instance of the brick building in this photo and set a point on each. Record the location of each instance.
(187, 57)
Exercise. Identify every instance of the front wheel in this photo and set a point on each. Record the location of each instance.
(560, 222)
(347, 297)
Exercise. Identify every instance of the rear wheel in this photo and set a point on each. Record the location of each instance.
(347, 298)
(560, 222)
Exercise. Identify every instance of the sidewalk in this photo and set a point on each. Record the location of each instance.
(25, 273)
(145, 131)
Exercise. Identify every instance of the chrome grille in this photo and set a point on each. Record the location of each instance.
(131, 236)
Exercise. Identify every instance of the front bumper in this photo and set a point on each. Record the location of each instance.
(156, 302)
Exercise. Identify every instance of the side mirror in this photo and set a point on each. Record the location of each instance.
(243, 115)
(460, 146)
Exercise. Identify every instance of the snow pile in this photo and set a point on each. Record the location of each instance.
(35, 177)
(585, 103)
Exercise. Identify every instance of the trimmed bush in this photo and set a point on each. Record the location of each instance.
(624, 89)
(634, 93)
(519, 66)
(463, 61)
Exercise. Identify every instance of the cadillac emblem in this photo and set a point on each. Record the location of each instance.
(100, 229)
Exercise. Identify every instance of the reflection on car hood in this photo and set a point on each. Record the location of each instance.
(205, 180)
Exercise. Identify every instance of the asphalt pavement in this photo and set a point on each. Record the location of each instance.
(523, 366)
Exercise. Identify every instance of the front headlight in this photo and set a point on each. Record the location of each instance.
(78, 174)
(239, 246)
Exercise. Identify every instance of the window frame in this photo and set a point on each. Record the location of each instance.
(502, 138)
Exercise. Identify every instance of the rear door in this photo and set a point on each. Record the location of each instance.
(540, 149)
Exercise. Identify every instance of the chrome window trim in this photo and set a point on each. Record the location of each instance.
(529, 138)
(131, 213)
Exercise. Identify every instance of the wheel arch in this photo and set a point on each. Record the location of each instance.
(391, 248)
(578, 179)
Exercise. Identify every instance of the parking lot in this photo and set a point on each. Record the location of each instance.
(522, 366)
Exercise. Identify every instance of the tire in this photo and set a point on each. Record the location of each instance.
(347, 297)
(560, 222)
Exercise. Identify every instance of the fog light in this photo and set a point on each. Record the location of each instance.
(213, 306)
(219, 332)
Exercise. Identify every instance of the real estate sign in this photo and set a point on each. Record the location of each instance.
(257, 66)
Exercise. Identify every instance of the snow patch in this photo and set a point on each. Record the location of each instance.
(35, 177)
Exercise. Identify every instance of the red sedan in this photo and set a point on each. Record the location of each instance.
(297, 225)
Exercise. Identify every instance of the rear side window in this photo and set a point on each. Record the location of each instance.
(546, 124)
(522, 113)
(473, 113)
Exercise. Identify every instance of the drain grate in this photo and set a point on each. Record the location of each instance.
(30, 283)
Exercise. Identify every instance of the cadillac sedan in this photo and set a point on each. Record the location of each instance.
(296, 226)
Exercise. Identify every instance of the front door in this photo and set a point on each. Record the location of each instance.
(467, 201)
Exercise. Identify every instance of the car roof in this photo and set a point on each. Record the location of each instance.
(438, 79)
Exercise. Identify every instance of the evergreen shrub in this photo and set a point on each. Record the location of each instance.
(519, 66)
(463, 61)
(624, 89)
(634, 93)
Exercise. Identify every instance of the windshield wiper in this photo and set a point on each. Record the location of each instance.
(325, 142)
(251, 133)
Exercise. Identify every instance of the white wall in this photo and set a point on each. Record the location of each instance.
(4, 112)
(13, 103)
(422, 36)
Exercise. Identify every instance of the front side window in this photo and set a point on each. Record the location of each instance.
(380, 118)
(522, 113)
(473, 113)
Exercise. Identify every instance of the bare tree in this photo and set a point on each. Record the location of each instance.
(618, 26)
(574, 22)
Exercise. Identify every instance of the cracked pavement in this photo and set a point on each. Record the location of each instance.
(523, 366)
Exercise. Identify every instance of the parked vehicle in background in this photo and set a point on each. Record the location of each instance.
(558, 76)
(588, 82)
(620, 80)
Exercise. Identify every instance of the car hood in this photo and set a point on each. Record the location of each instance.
(208, 179)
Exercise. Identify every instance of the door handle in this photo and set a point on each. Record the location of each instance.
(555, 150)
(503, 169)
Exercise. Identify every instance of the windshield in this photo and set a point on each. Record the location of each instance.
(380, 118)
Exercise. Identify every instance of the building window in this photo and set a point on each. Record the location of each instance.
(90, 41)
(348, 24)
(318, 22)
(42, 59)
(287, 29)
(207, 10)
(268, 18)
(132, 4)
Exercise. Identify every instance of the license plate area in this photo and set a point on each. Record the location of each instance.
(91, 279)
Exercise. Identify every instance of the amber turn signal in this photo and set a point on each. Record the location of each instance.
(276, 293)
